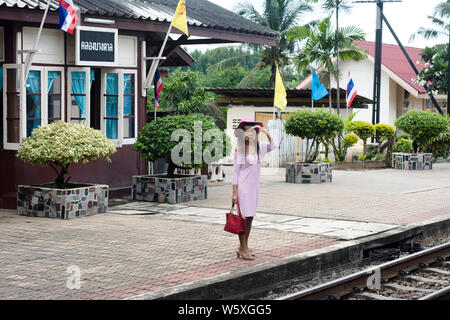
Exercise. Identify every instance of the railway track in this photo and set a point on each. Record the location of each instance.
(424, 275)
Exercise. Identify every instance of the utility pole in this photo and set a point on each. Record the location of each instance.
(411, 63)
(378, 56)
(337, 56)
(448, 77)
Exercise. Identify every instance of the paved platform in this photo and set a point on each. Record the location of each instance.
(145, 250)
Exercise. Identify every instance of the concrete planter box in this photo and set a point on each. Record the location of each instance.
(308, 173)
(412, 161)
(80, 201)
(360, 165)
(157, 188)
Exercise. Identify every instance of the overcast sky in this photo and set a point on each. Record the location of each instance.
(405, 17)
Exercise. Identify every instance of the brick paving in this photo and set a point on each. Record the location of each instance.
(120, 256)
(383, 196)
(139, 249)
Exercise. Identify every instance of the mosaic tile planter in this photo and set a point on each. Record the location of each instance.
(40, 201)
(410, 161)
(298, 172)
(155, 188)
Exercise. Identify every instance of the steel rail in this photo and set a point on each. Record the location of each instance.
(443, 294)
(358, 281)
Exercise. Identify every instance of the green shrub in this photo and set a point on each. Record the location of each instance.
(350, 140)
(371, 155)
(60, 144)
(403, 135)
(364, 130)
(344, 140)
(184, 92)
(384, 132)
(423, 126)
(403, 146)
(155, 140)
(315, 126)
(361, 157)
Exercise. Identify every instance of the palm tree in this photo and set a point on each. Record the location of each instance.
(334, 6)
(441, 20)
(280, 16)
(318, 47)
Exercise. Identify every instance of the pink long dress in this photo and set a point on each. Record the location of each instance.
(246, 177)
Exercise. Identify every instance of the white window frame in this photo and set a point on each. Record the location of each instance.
(88, 93)
(23, 100)
(44, 112)
(2, 44)
(63, 96)
(120, 141)
(22, 107)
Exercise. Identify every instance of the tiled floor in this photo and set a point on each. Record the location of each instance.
(143, 247)
(380, 196)
(121, 256)
(340, 229)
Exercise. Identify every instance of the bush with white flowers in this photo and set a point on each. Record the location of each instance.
(60, 144)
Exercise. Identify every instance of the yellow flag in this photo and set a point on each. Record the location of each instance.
(179, 20)
(280, 100)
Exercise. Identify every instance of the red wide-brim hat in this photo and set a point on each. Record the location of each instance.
(247, 121)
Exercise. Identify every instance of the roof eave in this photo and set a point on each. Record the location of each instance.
(146, 25)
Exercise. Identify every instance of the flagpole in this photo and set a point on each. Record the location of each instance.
(36, 44)
(156, 61)
(312, 100)
(347, 93)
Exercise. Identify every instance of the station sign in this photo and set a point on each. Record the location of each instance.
(96, 46)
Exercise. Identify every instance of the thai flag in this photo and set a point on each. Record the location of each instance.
(351, 91)
(67, 16)
(159, 85)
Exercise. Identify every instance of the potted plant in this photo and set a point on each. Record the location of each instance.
(422, 126)
(315, 127)
(58, 145)
(202, 143)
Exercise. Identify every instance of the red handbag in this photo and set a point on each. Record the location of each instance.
(235, 223)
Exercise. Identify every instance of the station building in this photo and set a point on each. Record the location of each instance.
(95, 77)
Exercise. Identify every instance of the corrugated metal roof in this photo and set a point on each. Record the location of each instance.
(199, 12)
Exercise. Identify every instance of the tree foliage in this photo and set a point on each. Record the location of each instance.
(183, 91)
(318, 47)
(403, 146)
(280, 16)
(60, 144)
(422, 126)
(344, 140)
(315, 126)
(383, 132)
(435, 72)
(364, 130)
(155, 139)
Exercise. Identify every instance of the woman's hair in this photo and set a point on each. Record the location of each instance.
(241, 144)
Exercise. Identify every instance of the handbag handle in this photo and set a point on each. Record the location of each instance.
(239, 209)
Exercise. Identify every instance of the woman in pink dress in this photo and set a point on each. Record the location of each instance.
(248, 157)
